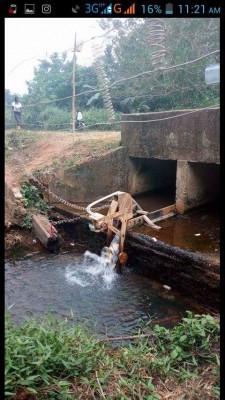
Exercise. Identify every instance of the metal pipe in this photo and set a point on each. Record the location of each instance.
(88, 209)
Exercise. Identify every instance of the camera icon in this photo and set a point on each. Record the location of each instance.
(46, 8)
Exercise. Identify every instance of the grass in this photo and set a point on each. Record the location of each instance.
(55, 360)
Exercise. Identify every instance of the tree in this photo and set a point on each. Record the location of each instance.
(130, 53)
(51, 90)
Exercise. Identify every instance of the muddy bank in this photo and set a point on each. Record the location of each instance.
(189, 274)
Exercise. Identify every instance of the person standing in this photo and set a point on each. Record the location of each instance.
(17, 110)
(79, 118)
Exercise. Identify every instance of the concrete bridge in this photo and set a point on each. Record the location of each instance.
(178, 149)
(159, 150)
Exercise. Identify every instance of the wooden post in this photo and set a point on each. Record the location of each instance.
(43, 229)
(73, 84)
(112, 210)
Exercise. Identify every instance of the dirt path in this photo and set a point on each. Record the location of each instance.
(51, 151)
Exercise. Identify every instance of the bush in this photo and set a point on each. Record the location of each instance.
(95, 116)
(54, 118)
(9, 119)
(32, 198)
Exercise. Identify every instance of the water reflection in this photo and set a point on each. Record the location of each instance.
(197, 231)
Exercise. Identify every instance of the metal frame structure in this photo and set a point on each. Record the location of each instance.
(123, 214)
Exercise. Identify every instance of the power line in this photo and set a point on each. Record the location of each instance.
(164, 69)
(214, 107)
(64, 51)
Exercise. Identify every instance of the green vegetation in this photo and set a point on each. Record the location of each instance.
(127, 53)
(60, 361)
(17, 140)
(32, 200)
(27, 222)
(96, 116)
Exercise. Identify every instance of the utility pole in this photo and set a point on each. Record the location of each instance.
(73, 84)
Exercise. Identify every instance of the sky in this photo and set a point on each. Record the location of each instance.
(30, 39)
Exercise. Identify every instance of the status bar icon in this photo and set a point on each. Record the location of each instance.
(130, 10)
(29, 8)
(107, 10)
(12, 9)
(169, 8)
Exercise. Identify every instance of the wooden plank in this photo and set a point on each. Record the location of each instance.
(113, 229)
(162, 212)
(123, 232)
(125, 202)
(172, 214)
(43, 230)
(134, 221)
(112, 209)
(107, 218)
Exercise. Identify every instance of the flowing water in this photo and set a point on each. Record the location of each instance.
(79, 288)
(83, 288)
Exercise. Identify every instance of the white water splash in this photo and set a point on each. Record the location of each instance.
(92, 270)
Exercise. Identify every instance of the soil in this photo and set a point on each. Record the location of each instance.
(51, 152)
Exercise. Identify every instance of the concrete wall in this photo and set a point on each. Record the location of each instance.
(93, 179)
(196, 184)
(191, 137)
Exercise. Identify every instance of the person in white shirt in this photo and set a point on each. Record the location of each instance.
(79, 118)
(16, 110)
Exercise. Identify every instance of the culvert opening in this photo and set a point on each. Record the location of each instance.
(152, 182)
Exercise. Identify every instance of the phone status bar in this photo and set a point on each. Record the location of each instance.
(116, 9)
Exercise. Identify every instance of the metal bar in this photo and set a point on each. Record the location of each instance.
(100, 200)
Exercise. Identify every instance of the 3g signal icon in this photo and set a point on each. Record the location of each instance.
(96, 8)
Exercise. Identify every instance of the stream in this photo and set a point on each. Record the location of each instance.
(81, 291)
(74, 287)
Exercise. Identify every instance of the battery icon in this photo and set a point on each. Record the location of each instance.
(12, 9)
(169, 8)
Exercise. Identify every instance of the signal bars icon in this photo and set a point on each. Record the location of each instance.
(107, 10)
(130, 10)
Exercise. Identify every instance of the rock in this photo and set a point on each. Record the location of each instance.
(10, 205)
(21, 211)
(19, 203)
(166, 287)
(17, 195)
